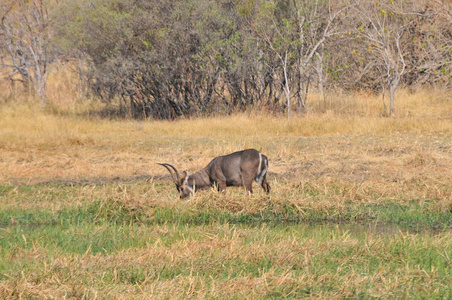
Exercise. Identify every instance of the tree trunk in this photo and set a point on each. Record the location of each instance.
(40, 87)
(393, 82)
(286, 86)
(319, 69)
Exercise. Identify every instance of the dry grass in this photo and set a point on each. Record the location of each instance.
(224, 261)
(332, 164)
(317, 161)
(40, 145)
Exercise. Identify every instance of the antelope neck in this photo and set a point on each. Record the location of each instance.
(199, 179)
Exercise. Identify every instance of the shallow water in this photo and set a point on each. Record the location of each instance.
(374, 228)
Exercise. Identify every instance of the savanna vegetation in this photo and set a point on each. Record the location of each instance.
(95, 93)
(167, 59)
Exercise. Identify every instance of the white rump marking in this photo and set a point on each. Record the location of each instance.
(260, 164)
(260, 174)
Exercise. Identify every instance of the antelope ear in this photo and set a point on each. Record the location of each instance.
(186, 177)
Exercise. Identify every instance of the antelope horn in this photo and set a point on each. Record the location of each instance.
(175, 170)
(169, 167)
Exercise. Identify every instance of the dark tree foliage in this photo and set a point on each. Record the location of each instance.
(166, 59)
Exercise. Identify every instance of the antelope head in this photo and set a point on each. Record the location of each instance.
(182, 185)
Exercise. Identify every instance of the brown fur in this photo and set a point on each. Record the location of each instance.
(235, 169)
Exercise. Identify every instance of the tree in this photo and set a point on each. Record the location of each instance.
(163, 60)
(383, 26)
(25, 39)
(296, 32)
(431, 45)
(319, 25)
(191, 57)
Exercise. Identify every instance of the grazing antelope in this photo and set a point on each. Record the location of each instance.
(235, 169)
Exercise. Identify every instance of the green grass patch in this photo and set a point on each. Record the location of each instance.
(120, 213)
(285, 260)
(135, 239)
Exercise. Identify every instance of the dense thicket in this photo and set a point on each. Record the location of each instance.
(165, 59)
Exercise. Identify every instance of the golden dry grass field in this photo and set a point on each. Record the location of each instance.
(361, 205)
